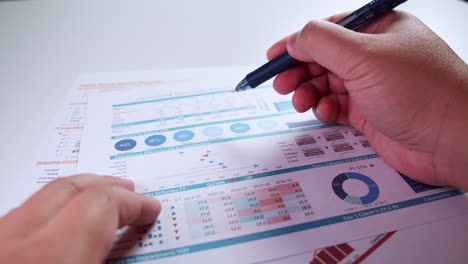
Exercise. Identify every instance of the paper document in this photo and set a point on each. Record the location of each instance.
(57, 154)
(243, 177)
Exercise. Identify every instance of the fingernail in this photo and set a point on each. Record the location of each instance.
(291, 44)
(316, 111)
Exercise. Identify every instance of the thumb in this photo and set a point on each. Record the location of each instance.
(336, 48)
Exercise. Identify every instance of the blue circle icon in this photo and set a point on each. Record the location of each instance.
(240, 128)
(213, 131)
(124, 145)
(267, 124)
(371, 196)
(184, 135)
(155, 140)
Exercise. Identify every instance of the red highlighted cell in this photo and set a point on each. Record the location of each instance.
(250, 211)
(275, 200)
(278, 219)
(273, 207)
(288, 188)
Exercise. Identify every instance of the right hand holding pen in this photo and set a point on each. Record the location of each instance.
(397, 82)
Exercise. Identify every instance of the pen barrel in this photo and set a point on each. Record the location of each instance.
(270, 69)
(368, 13)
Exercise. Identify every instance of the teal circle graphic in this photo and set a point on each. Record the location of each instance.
(184, 135)
(239, 128)
(213, 131)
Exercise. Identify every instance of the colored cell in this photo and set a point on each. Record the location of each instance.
(155, 140)
(278, 219)
(245, 203)
(284, 106)
(184, 135)
(267, 124)
(272, 207)
(303, 123)
(240, 128)
(251, 218)
(275, 200)
(125, 144)
(213, 131)
(251, 211)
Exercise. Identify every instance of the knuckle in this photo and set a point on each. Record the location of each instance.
(308, 30)
(310, 26)
(68, 185)
(363, 51)
(403, 14)
(102, 193)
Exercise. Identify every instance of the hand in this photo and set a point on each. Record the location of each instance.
(395, 81)
(73, 220)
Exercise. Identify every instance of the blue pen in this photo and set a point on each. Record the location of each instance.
(361, 17)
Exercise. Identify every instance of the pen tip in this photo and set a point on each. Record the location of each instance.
(242, 86)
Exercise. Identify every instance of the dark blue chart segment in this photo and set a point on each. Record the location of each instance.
(125, 144)
(371, 196)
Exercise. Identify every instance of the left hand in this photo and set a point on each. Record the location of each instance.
(73, 220)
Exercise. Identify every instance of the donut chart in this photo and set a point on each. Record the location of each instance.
(371, 196)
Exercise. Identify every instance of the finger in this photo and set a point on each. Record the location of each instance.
(316, 69)
(305, 97)
(338, 49)
(44, 204)
(309, 92)
(289, 80)
(280, 46)
(336, 84)
(277, 48)
(336, 18)
(90, 220)
(333, 108)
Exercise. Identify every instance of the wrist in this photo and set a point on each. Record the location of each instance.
(450, 160)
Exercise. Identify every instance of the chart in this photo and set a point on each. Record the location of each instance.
(371, 196)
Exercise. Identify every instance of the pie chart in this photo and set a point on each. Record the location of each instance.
(371, 196)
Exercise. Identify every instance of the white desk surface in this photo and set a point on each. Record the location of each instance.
(45, 45)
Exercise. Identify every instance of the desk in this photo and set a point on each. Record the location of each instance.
(46, 44)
